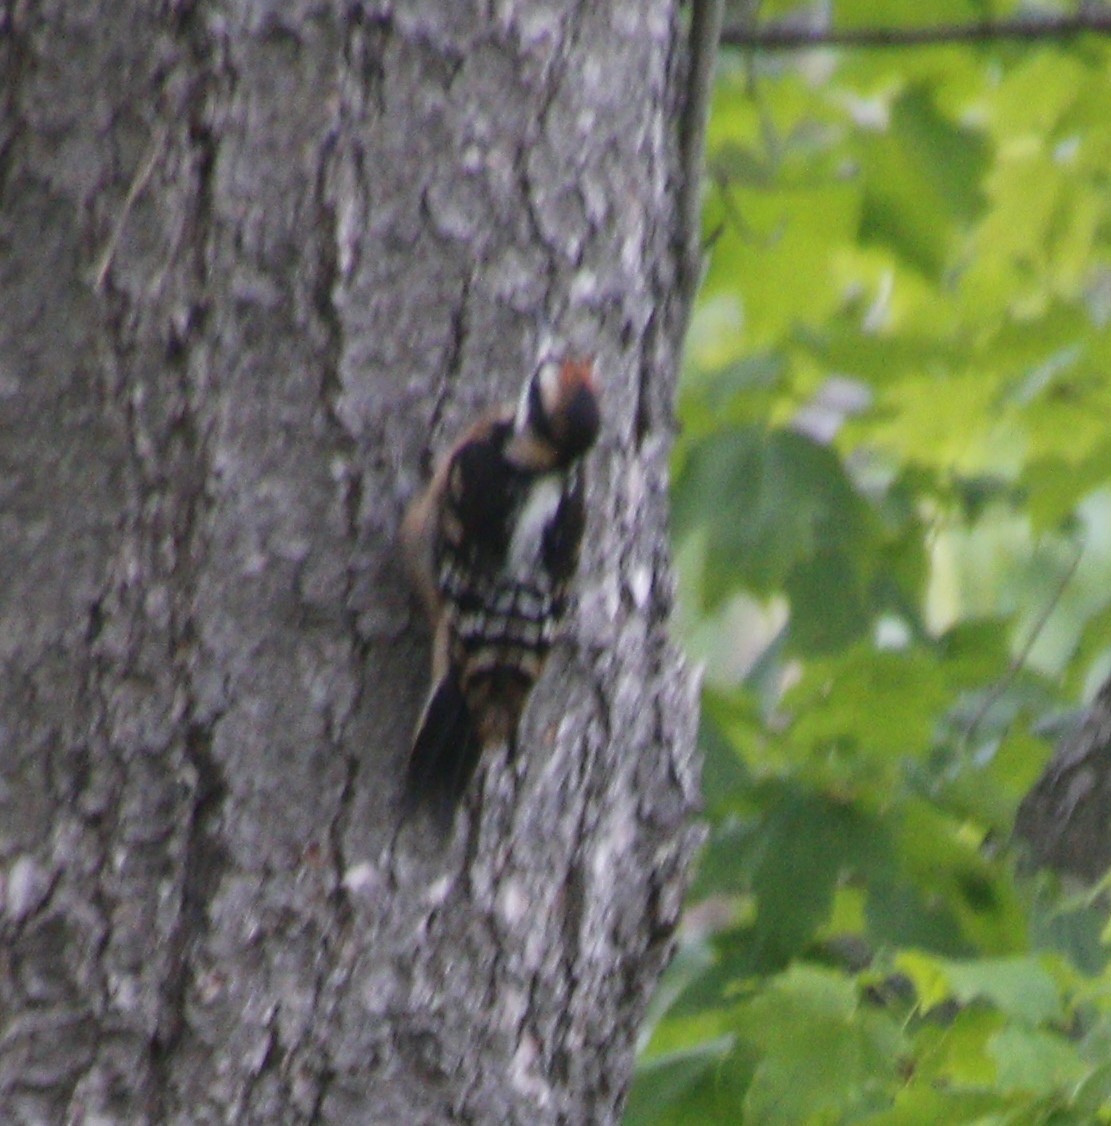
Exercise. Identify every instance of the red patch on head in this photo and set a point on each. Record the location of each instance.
(574, 374)
(574, 421)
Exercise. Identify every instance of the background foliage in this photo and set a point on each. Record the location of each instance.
(893, 526)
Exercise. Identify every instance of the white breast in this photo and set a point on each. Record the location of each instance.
(537, 513)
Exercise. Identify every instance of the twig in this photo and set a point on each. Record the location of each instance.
(705, 30)
(1019, 661)
(142, 178)
(1024, 28)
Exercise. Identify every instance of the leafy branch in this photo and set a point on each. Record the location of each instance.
(1087, 21)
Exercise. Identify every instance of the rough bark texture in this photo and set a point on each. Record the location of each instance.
(1066, 818)
(258, 261)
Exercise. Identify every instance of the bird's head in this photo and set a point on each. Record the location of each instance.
(559, 408)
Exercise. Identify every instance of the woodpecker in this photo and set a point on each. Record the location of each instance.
(491, 547)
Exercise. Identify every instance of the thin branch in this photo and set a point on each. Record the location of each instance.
(142, 178)
(1023, 28)
(1019, 662)
(705, 30)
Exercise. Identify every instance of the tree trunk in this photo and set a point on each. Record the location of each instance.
(258, 263)
(1064, 818)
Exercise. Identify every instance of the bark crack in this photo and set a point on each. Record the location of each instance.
(177, 482)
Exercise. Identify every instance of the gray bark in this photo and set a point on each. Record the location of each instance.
(1064, 819)
(258, 262)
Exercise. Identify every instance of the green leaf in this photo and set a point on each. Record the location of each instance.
(781, 243)
(829, 605)
(899, 914)
(1033, 1061)
(806, 844)
(822, 1056)
(920, 1105)
(923, 178)
(1055, 485)
(882, 704)
(767, 501)
(724, 774)
(974, 652)
(1018, 987)
(954, 1050)
(867, 13)
(1092, 1095)
(1072, 930)
(702, 1084)
(945, 857)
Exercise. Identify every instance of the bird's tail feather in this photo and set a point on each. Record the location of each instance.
(445, 754)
